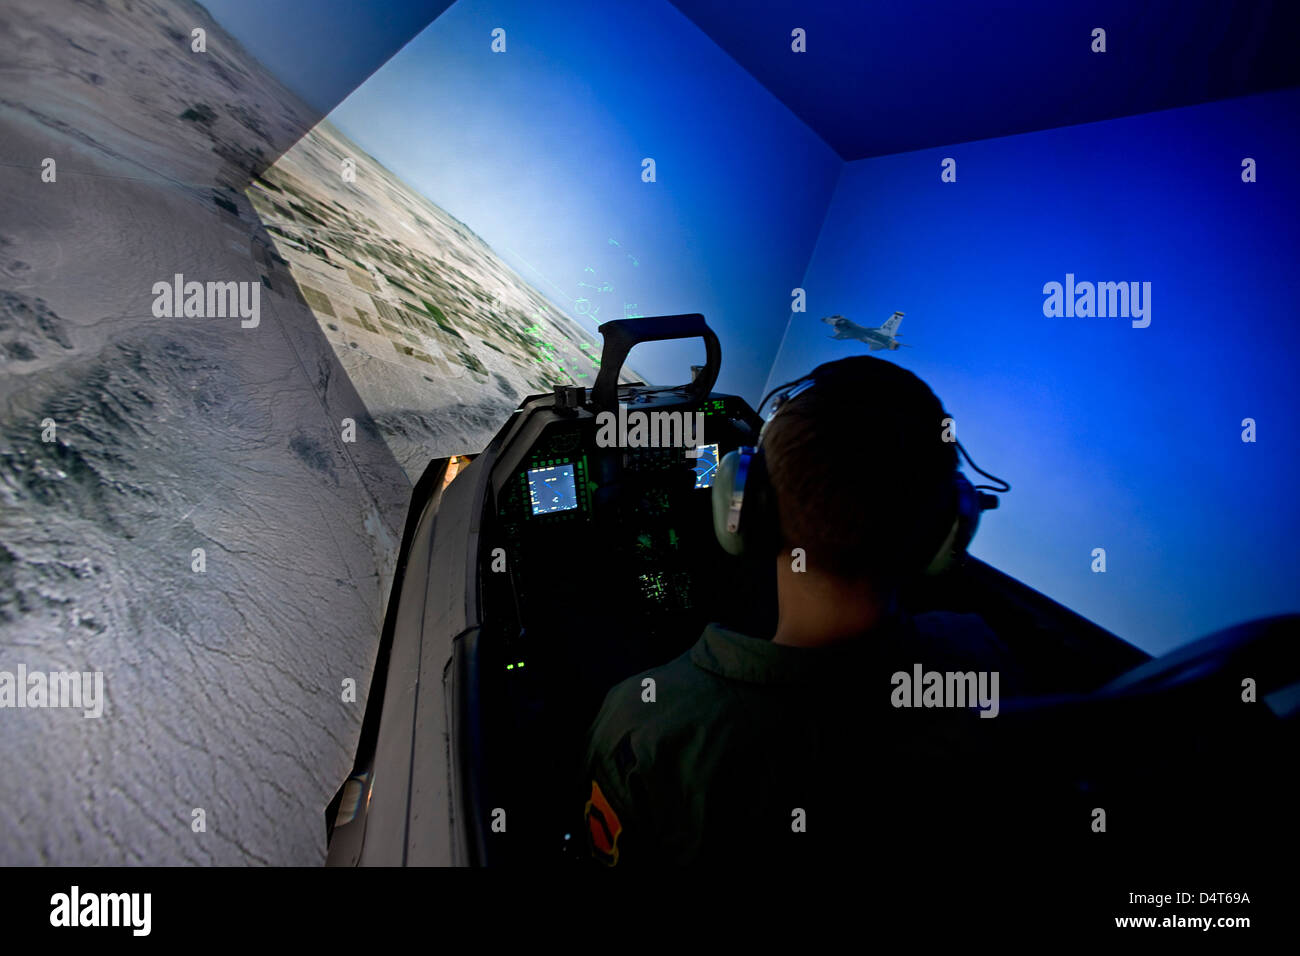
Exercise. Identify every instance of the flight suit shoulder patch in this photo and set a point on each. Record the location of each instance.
(603, 827)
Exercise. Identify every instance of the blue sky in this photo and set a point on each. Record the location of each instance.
(539, 150)
(1115, 437)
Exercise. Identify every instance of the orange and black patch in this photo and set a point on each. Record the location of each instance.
(603, 827)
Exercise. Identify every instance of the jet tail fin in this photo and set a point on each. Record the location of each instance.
(892, 323)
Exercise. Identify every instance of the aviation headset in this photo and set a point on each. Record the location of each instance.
(744, 501)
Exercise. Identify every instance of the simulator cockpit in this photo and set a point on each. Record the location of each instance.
(558, 563)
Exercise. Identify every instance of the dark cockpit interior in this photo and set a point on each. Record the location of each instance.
(605, 565)
(598, 560)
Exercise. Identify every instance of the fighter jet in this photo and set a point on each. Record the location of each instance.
(885, 337)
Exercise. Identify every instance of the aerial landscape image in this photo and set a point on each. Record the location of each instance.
(440, 338)
(206, 511)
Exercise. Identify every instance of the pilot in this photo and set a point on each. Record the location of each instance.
(800, 746)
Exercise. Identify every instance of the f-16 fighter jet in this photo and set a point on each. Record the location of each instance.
(885, 337)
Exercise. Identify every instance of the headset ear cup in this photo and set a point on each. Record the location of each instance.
(962, 529)
(968, 514)
(942, 558)
(728, 495)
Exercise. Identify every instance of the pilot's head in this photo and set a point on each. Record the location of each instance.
(862, 475)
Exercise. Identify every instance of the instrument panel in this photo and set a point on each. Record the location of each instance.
(596, 562)
(565, 466)
(593, 532)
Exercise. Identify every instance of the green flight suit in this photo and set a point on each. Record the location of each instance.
(744, 751)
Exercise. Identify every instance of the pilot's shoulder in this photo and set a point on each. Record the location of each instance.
(651, 706)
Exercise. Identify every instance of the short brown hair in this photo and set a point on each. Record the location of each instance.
(861, 471)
